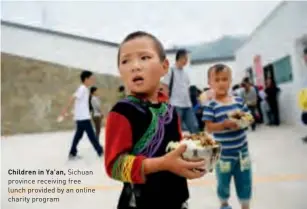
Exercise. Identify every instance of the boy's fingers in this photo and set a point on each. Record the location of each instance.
(180, 149)
(192, 165)
(200, 172)
(189, 174)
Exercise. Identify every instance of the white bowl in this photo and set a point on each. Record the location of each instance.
(210, 154)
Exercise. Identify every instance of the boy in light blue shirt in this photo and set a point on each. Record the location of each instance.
(234, 160)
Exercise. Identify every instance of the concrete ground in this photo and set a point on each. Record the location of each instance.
(279, 164)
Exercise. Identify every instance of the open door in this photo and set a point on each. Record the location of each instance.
(268, 71)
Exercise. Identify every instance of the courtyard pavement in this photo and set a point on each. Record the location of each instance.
(278, 155)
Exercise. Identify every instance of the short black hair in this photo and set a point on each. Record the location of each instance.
(121, 88)
(85, 74)
(246, 80)
(217, 68)
(235, 87)
(305, 51)
(140, 34)
(181, 53)
(93, 89)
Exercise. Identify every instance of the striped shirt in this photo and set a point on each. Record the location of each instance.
(233, 142)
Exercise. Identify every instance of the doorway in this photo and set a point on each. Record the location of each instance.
(268, 71)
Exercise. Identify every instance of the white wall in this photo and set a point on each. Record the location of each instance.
(171, 58)
(274, 39)
(198, 73)
(58, 49)
(99, 58)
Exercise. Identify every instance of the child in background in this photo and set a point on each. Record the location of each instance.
(82, 116)
(139, 128)
(234, 161)
(95, 108)
(264, 106)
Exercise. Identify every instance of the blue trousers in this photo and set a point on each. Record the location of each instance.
(188, 119)
(85, 125)
(240, 170)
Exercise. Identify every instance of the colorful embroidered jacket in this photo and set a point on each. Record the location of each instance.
(137, 130)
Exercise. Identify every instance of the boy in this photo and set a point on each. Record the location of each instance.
(82, 114)
(139, 128)
(234, 157)
(95, 109)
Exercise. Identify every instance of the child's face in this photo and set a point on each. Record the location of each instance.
(90, 81)
(183, 61)
(140, 66)
(220, 82)
(268, 82)
(96, 93)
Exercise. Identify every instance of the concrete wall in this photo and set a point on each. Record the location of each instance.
(62, 50)
(171, 58)
(275, 38)
(59, 49)
(34, 92)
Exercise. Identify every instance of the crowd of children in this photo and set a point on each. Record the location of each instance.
(143, 122)
(262, 102)
(140, 126)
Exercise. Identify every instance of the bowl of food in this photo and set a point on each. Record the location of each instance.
(200, 146)
(243, 119)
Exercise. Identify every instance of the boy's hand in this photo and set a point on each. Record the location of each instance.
(63, 113)
(62, 116)
(174, 163)
(230, 124)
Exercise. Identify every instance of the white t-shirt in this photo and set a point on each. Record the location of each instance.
(81, 109)
(181, 83)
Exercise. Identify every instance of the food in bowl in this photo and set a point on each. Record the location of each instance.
(243, 119)
(200, 146)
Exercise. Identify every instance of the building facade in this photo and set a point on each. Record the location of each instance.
(62, 48)
(275, 49)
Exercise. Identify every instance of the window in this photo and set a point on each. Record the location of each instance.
(283, 70)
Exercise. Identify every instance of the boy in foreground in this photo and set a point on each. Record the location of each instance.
(139, 128)
(234, 161)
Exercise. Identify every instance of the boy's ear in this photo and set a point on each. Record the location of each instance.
(165, 66)
(209, 82)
